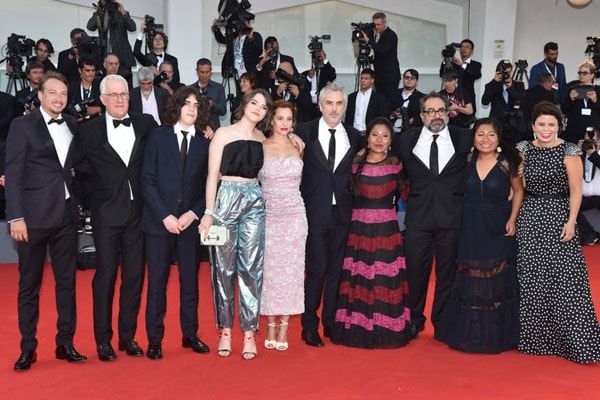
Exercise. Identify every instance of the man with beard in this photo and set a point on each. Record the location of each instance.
(148, 98)
(434, 159)
(552, 66)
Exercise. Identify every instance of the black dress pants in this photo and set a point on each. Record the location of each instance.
(62, 245)
(128, 241)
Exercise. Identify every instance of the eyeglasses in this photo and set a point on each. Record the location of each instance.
(431, 112)
(410, 78)
(114, 96)
(583, 73)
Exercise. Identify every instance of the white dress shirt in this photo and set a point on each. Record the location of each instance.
(150, 106)
(61, 136)
(342, 143)
(238, 56)
(191, 132)
(361, 105)
(591, 185)
(121, 139)
(445, 147)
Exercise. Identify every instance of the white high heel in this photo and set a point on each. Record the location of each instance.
(280, 345)
(270, 344)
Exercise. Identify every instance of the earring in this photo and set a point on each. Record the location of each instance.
(472, 149)
(499, 149)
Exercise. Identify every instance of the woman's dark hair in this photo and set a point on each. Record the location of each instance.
(239, 112)
(46, 43)
(509, 153)
(176, 103)
(362, 159)
(250, 77)
(547, 108)
(277, 104)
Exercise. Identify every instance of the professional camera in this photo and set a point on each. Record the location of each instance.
(291, 79)
(80, 108)
(448, 53)
(593, 51)
(160, 78)
(89, 47)
(273, 54)
(31, 100)
(17, 47)
(359, 28)
(505, 68)
(109, 6)
(233, 16)
(316, 43)
(151, 26)
(589, 143)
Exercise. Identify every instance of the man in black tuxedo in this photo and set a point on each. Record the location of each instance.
(148, 98)
(68, 60)
(320, 75)
(84, 93)
(298, 95)
(173, 180)
(214, 91)
(384, 43)
(41, 214)
(34, 72)
(468, 70)
(269, 64)
(165, 78)
(158, 52)
(330, 148)
(112, 22)
(242, 52)
(8, 111)
(406, 103)
(113, 145)
(434, 159)
(365, 104)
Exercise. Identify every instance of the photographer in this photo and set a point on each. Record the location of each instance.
(581, 106)
(214, 91)
(111, 64)
(43, 51)
(27, 97)
(8, 111)
(112, 22)
(591, 185)
(269, 63)
(158, 51)
(242, 53)
(459, 101)
(84, 94)
(320, 75)
(295, 89)
(68, 60)
(468, 70)
(506, 98)
(537, 94)
(384, 43)
(406, 103)
(164, 79)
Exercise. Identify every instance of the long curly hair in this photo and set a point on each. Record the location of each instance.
(176, 103)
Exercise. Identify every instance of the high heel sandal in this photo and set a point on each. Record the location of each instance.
(224, 349)
(282, 331)
(249, 349)
(270, 344)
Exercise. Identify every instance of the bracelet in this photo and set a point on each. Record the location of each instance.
(211, 213)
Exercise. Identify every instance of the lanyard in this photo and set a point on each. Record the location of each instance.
(548, 69)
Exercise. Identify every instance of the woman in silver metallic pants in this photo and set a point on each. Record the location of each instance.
(235, 158)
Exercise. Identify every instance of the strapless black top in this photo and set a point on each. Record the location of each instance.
(243, 158)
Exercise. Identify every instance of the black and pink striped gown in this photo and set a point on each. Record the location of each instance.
(372, 306)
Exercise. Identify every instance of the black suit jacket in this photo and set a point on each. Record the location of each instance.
(8, 111)
(135, 100)
(35, 179)
(377, 107)
(327, 74)
(318, 182)
(263, 75)
(467, 78)
(119, 40)
(493, 95)
(385, 64)
(434, 202)
(413, 110)
(251, 51)
(110, 177)
(150, 59)
(75, 94)
(170, 189)
(68, 66)
(215, 92)
(533, 96)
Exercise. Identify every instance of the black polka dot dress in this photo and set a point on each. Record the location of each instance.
(557, 316)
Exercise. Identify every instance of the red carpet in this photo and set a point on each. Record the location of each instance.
(425, 369)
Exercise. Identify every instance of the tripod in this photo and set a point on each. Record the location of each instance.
(363, 60)
(230, 73)
(16, 77)
(518, 74)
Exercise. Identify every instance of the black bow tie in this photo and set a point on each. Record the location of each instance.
(124, 121)
(57, 121)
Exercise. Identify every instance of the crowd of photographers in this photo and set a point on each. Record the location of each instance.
(249, 62)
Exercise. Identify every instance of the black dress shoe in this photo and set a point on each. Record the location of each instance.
(154, 351)
(196, 344)
(68, 352)
(25, 360)
(415, 329)
(106, 352)
(312, 338)
(327, 331)
(131, 348)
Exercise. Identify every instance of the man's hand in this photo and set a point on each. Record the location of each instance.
(573, 94)
(2, 181)
(497, 76)
(18, 231)
(592, 96)
(208, 132)
(165, 86)
(172, 224)
(282, 87)
(508, 82)
(363, 37)
(143, 27)
(457, 61)
(186, 219)
(294, 90)
(121, 9)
